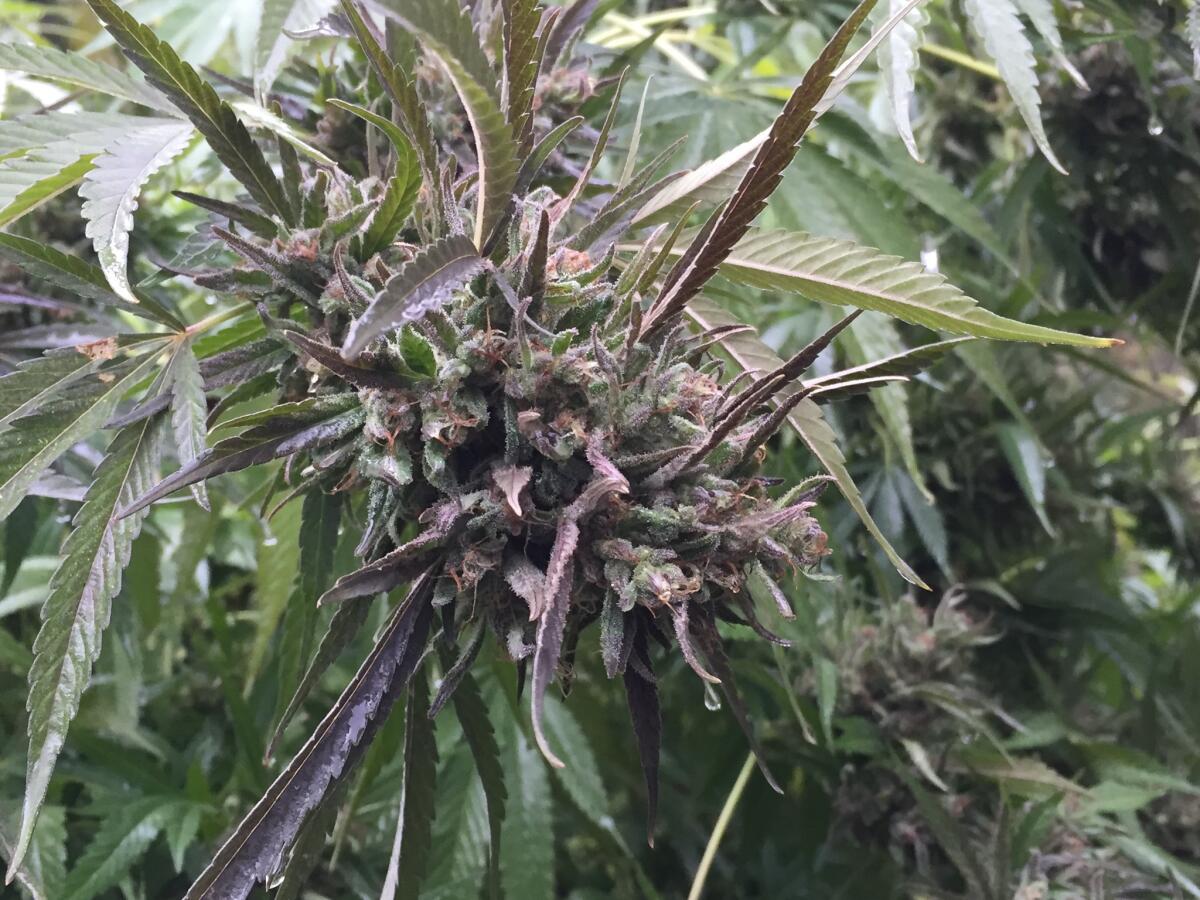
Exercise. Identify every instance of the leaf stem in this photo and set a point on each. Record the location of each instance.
(962, 59)
(718, 832)
(219, 318)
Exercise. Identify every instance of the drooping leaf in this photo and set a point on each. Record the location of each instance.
(898, 65)
(413, 842)
(752, 354)
(422, 285)
(111, 188)
(999, 26)
(32, 443)
(551, 625)
(77, 611)
(255, 848)
(71, 68)
(552, 615)
(76, 276)
(444, 27)
(714, 242)
(212, 116)
(844, 273)
(714, 652)
(189, 410)
(303, 426)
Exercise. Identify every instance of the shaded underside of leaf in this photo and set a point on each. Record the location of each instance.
(110, 191)
(844, 273)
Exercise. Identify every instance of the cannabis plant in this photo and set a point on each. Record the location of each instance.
(493, 366)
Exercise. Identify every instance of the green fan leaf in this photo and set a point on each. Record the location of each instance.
(347, 620)
(22, 392)
(272, 43)
(697, 265)
(211, 115)
(401, 86)
(79, 606)
(43, 871)
(34, 442)
(123, 837)
(78, 277)
(414, 826)
(898, 64)
(189, 409)
(111, 187)
(753, 355)
(527, 858)
(276, 565)
(421, 286)
(1041, 14)
(79, 71)
(521, 20)
(481, 737)
(29, 181)
(1028, 461)
(402, 189)
(1193, 33)
(444, 27)
(999, 26)
(284, 430)
(869, 338)
(844, 273)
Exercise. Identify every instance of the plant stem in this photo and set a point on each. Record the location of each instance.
(718, 832)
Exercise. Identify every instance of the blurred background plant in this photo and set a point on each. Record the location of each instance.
(1029, 728)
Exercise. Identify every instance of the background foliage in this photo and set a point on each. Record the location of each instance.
(1030, 727)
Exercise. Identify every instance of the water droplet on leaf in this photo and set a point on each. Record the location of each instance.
(711, 700)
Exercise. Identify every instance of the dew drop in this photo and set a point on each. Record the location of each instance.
(711, 701)
(1156, 126)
